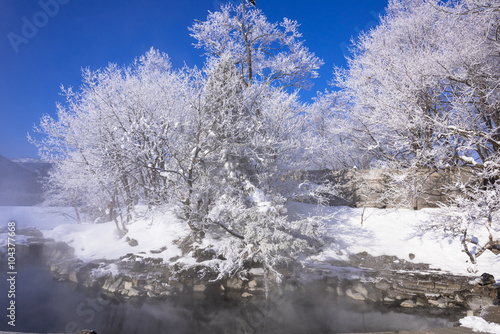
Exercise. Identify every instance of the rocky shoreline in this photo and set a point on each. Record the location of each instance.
(384, 279)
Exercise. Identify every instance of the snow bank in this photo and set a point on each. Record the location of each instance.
(154, 232)
(395, 232)
(383, 232)
(478, 324)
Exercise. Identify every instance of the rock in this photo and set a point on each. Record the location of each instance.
(202, 255)
(22, 249)
(86, 331)
(132, 292)
(433, 302)
(113, 287)
(257, 271)
(152, 261)
(408, 304)
(495, 249)
(399, 295)
(375, 296)
(165, 293)
(176, 285)
(31, 232)
(107, 283)
(459, 298)
(234, 283)
(361, 289)
(408, 284)
(246, 295)
(132, 242)
(199, 288)
(35, 247)
(354, 295)
(411, 256)
(383, 285)
(440, 303)
(426, 285)
(485, 279)
(72, 276)
(252, 285)
(127, 285)
(158, 251)
(447, 286)
(422, 301)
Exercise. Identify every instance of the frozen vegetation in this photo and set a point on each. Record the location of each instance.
(217, 156)
(384, 232)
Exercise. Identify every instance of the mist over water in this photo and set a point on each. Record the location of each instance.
(43, 305)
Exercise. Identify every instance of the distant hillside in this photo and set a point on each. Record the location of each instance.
(41, 168)
(20, 181)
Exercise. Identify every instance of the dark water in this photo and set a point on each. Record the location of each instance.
(43, 305)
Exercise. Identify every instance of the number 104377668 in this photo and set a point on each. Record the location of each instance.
(11, 246)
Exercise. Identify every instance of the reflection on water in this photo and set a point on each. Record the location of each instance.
(47, 306)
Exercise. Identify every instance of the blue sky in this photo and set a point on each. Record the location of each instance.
(45, 43)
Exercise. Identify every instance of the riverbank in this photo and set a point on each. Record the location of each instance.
(407, 288)
(374, 279)
(391, 257)
(388, 258)
(413, 236)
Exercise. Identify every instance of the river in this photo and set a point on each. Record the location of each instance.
(44, 305)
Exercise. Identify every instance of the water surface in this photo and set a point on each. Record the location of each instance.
(43, 305)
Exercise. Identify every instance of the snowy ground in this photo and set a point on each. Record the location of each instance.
(400, 233)
(100, 241)
(383, 232)
(478, 324)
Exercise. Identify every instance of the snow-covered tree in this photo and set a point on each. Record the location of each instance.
(262, 51)
(111, 137)
(247, 144)
(260, 128)
(221, 144)
(423, 93)
(330, 145)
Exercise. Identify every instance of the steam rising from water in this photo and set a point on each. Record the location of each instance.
(48, 306)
